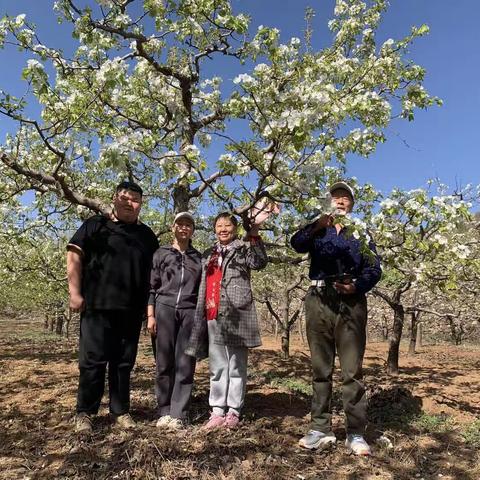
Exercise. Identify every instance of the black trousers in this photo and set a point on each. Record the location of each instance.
(107, 337)
(337, 323)
(174, 369)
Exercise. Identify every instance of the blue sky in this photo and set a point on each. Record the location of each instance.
(441, 142)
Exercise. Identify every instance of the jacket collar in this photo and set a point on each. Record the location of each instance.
(232, 246)
(190, 249)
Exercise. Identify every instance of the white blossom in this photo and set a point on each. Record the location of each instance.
(33, 64)
(243, 78)
(19, 20)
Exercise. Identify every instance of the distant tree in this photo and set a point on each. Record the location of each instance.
(279, 288)
(32, 272)
(423, 244)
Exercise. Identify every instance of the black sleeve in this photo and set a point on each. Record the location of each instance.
(371, 271)
(154, 272)
(83, 234)
(155, 244)
(302, 241)
(150, 238)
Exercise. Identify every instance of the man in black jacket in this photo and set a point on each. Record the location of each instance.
(108, 266)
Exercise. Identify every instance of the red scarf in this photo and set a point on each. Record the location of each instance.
(213, 284)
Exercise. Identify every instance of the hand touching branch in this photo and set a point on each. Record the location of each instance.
(260, 212)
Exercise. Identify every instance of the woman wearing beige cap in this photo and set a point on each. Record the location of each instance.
(174, 282)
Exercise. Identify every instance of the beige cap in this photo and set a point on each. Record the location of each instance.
(186, 215)
(345, 186)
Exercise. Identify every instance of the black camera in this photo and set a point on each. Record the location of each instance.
(344, 278)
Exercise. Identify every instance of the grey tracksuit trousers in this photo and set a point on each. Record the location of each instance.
(174, 369)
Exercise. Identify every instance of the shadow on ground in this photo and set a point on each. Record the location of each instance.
(37, 441)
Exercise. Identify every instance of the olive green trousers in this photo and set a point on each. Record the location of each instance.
(337, 324)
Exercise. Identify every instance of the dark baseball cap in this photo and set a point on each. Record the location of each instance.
(127, 185)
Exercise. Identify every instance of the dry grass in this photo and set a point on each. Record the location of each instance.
(37, 397)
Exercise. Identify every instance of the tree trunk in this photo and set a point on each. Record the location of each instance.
(420, 334)
(286, 326)
(67, 324)
(456, 332)
(181, 198)
(461, 333)
(385, 332)
(394, 348)
(413, 332)
(75, 324)
(300, 327)
(59, 326)
(384, 324)
(286, 343)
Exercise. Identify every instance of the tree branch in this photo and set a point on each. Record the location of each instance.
(58, 183)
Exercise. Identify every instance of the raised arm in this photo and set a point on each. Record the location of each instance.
(302, 241)
(256, 256)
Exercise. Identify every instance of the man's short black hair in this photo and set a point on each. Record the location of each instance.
(127, 185)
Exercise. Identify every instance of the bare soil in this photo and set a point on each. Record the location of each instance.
(38, 380)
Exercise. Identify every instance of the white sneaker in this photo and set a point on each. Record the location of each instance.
(164, 421)
(317, 440)
(357, 445)
(175, 424)
(169, 423)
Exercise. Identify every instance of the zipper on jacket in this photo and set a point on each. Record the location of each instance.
(181, 280)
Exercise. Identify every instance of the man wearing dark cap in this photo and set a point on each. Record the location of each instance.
(341, 273)
(108, 267)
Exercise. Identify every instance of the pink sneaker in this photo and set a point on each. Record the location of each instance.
(215, 421)
(231, 420)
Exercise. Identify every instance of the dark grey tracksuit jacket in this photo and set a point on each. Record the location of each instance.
(175, 277)
(174, 283)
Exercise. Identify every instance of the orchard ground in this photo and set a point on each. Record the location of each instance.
(430, 413)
